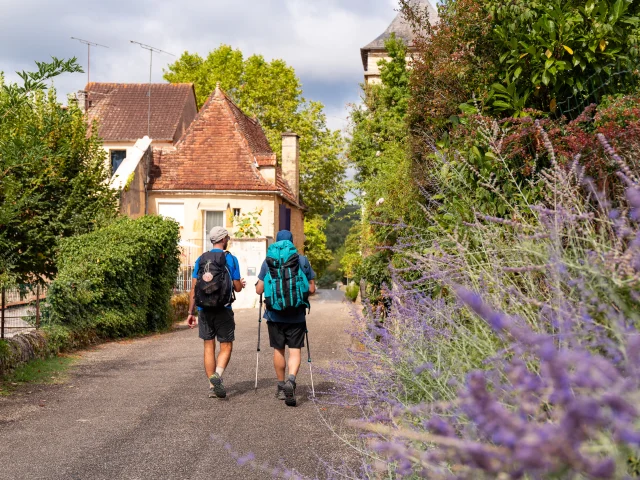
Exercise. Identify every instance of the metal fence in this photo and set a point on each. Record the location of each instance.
(189, 252)
(20, 309)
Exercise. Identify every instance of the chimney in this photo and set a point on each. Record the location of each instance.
(291, 162)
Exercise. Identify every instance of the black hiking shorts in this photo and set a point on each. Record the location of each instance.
(286, 334)
(217, 323)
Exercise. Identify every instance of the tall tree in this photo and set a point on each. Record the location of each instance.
(53, 177)
(272, 92)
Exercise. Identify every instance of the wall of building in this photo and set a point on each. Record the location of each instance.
(132, 197)
(372, 75)
(194, 206)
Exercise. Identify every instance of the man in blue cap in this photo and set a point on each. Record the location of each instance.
(287, 329)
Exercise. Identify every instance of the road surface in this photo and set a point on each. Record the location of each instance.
(139, 409)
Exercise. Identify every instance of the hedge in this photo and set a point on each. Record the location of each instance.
(116, 281)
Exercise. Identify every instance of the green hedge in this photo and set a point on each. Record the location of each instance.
(116, 281)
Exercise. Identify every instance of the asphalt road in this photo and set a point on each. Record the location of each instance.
(139, 410)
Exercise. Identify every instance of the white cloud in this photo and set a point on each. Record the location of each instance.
(321, 39)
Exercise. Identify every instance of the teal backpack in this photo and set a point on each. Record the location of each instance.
(286, 287)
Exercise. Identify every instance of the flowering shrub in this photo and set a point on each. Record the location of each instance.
(248, 224)
(511, 347)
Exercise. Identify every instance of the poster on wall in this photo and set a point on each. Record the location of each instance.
(250, 253)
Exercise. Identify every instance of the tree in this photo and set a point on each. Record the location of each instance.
(53, 176)
(315, 244)
(385, 177)
(272, 93)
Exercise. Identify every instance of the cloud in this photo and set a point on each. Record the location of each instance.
(321, 39)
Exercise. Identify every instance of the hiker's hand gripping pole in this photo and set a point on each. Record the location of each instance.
(258, 350)
(313, 390)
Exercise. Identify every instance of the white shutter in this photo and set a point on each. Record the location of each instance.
(172, 210)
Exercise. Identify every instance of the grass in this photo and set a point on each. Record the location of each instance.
(37, 372)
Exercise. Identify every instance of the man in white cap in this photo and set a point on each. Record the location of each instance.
(216, 322)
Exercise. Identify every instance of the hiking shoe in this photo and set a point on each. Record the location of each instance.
(212, 393)
(218, 387)
(290, 393)
(280, 393)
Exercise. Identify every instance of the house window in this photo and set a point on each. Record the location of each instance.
(174, 211)
(236, 212)
(117, 157)
(211, 219)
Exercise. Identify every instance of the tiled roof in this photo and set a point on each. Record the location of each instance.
(121, 110)
(221, 151)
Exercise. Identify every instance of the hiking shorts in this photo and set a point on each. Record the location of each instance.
(217, 323)
(286, 334)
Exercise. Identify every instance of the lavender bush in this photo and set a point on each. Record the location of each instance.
(511, 349)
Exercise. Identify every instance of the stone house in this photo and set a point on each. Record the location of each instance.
(202, 168)
(375, 51)
(223, 167)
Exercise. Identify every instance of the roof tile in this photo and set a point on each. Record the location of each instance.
(221, 150)
(122, 110)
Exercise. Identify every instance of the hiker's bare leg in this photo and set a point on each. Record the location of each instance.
(209, 357)
(294, 361)
(279, 363)
(225, 354)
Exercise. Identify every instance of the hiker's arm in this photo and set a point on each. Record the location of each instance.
(260, 287)
(191, 319)
(238, 285)
(312, 287)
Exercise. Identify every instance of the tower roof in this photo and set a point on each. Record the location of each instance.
(402, 29)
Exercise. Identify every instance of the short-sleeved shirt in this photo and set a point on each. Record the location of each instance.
(232, 265)
(299, 315)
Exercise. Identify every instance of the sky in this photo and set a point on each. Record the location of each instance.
(321, 39)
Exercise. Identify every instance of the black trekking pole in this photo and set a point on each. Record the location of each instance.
(258, 352)
(313, 390)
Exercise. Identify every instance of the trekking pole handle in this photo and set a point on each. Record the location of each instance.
(306, 333)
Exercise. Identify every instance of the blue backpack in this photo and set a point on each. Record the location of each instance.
(286, 287)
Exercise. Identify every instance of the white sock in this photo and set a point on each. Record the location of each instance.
(220, 371)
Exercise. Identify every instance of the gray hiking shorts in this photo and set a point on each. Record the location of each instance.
(217, 324)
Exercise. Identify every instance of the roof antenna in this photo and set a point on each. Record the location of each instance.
(151, 50)
(89, 45)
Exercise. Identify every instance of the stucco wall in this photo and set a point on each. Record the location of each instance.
(372, 75)
(192, 229)
(132, 198)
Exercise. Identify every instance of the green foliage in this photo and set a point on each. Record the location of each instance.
(339, 225)
(352, 291)
(272, 93)
(351, 260)
(315, 244)
(551, 51)
(14, 96)
(385, 177)
(37, 372)
(117, 280)
(53, 177)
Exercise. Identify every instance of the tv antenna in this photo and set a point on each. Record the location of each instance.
(89, 45)
(151, 51)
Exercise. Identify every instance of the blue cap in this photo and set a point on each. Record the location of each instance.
(284, 235)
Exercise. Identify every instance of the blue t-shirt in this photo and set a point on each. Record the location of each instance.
(299, 315)
(232, 264)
